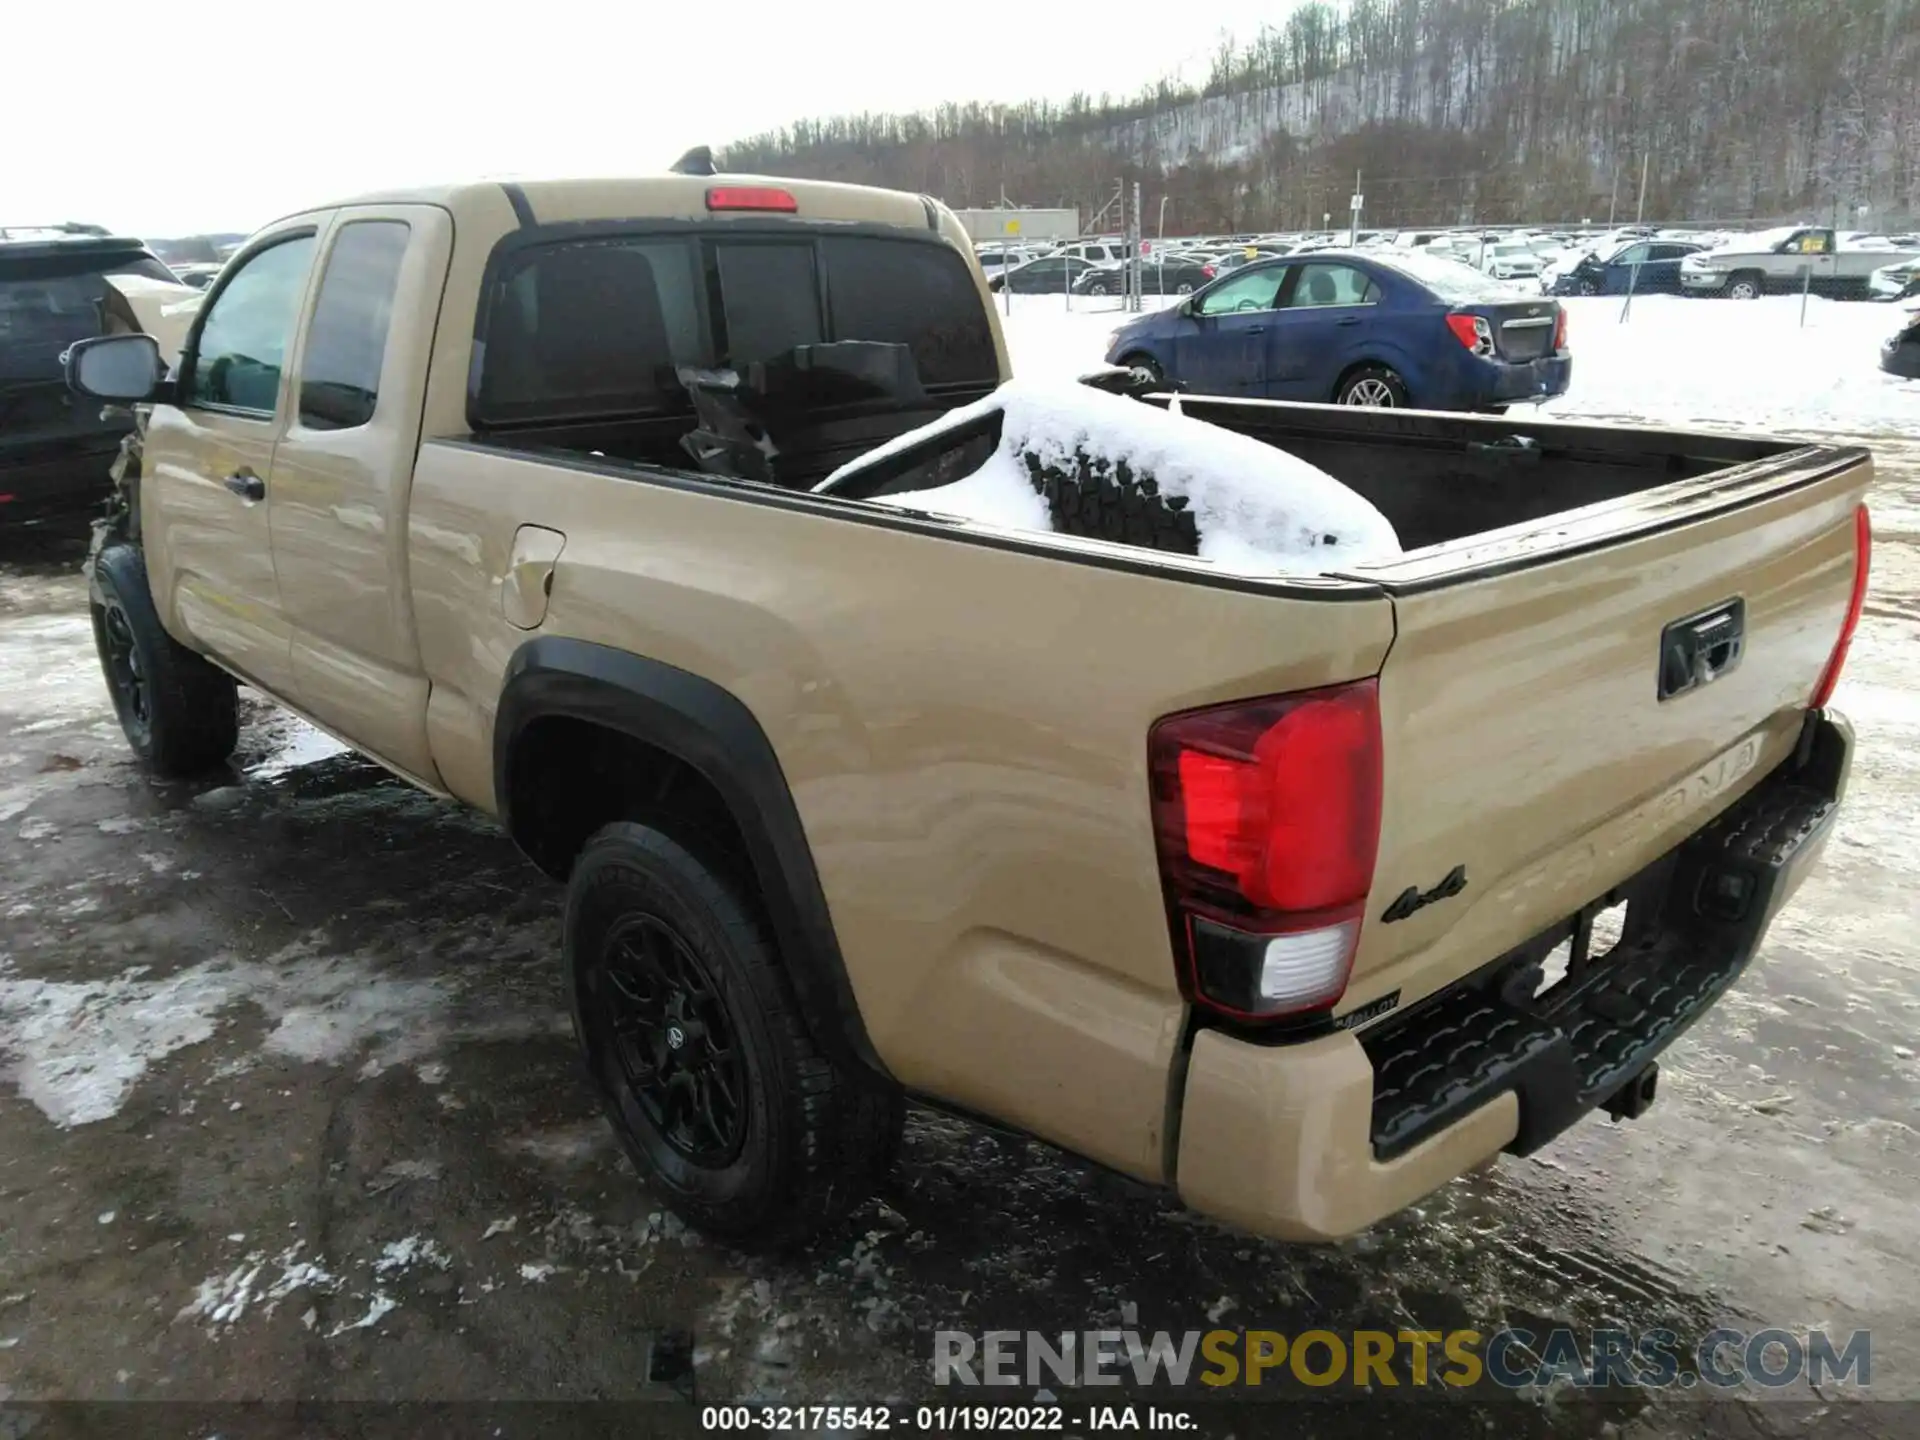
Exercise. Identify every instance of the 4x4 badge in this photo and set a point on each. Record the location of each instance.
(1413, 899)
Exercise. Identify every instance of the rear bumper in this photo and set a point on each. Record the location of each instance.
(62, 479)
(1316, 1140)
(1503, 382)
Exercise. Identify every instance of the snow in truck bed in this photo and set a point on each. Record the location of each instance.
(1257, 508)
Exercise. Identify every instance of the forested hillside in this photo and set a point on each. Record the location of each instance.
(1455, 110)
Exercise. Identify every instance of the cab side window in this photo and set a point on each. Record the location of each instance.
(347, 337)
(243, 339)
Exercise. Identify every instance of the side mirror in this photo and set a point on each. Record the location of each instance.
(123, 369)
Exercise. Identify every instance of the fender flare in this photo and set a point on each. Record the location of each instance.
(712, 731)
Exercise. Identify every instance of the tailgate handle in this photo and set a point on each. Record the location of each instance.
(1699, 649)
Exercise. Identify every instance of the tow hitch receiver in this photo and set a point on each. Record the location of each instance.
(1632, 1099)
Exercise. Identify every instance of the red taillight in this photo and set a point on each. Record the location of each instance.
(1473, 332)
(1208, 271)
(1837, 661)
(1267, 816)
(1560, 332)
(751, 197)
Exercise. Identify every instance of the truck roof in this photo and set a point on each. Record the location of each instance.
(552, 201)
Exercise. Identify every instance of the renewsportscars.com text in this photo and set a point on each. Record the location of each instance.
(1510, 1358)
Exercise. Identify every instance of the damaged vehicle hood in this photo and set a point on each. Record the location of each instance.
(160, 308)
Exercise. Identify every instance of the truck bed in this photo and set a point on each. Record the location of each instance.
(1443, 477)
(1437, 477)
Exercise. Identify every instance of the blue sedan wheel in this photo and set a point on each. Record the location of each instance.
(1375, 386)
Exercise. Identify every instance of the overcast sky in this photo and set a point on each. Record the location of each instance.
(170, 119)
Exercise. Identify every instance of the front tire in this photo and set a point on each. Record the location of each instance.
(179, 711)
(1147, 365)
(1375, 386)
(1746, 286)
(699, 1053)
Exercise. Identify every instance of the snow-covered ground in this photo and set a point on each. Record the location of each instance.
(1674, 361)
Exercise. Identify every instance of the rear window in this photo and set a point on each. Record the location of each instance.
(903, 292)
(49, 301)
(589, 328)
(771, 297)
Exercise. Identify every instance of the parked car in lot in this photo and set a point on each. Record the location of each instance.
(1785, 260)
(1048, 275)
(1387, 328)
(1898, 281)
(1511, 260)
(1243, 883)
(1900, 355)
(994, 259)
(1181, 275)
(1233, 259)
(54, 446)
(1643, 267)
(1098, 252)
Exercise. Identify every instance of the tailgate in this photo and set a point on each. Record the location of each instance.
(1527, 743)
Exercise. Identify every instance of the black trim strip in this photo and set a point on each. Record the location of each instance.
(709, 728)
(522, 208)
(888, 517)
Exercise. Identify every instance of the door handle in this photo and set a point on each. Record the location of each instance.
(1348, 320)
(247, 485)
(1254, 330)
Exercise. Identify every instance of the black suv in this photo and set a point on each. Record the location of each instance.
(55, 447)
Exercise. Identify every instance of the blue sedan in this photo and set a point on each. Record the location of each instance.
(1357, 329)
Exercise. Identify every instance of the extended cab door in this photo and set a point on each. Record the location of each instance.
(208, 458)
(343, 473)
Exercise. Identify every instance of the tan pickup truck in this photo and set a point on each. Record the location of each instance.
(1299, 894)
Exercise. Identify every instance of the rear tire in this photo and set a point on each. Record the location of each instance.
(179, 711)
(1375, 386)
(700, 1055)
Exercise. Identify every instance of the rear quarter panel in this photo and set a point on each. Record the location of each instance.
(964, 731)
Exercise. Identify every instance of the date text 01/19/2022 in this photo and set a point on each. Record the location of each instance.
(938, 1419)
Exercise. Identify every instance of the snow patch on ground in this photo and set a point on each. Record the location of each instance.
(399, 1256)
(1256, 508)
(303, 745)
(223, 1299)
(76, 1048)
